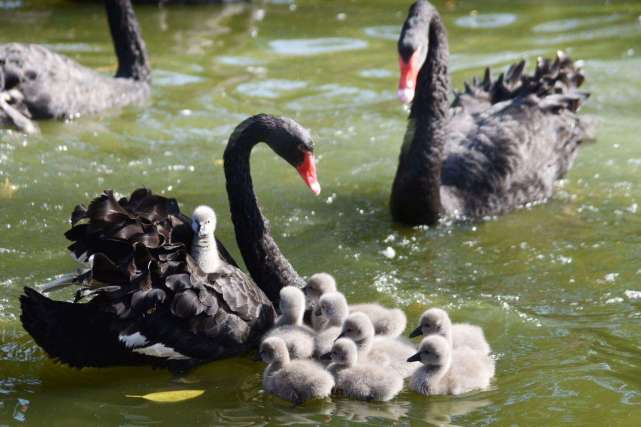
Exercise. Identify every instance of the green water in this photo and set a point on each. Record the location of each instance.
(548, 284)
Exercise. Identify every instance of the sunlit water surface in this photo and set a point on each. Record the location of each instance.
(553, 286)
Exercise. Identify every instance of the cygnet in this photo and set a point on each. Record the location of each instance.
(289, 325)
(318, 285)
(436, 321)
(450, 371)
(293, 380)
(378, 349)
(387, 321)
(204, 248)
(362, 381)
(332, 309)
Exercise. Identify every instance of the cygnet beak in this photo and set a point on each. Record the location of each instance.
(416, 332)
(326, 357)
(415, 358)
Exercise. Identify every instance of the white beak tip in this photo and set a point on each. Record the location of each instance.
(315, 187)
(406, 95)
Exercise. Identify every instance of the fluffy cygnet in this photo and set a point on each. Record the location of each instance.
(450, 371)
(436, 321)
(362, 381)
(289, 325)
(204, 249)
(378, 349)
(318, 285)
(293, 380)
(387, 321)
(332, 309)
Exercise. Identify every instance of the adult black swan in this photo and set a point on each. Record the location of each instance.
(500, 145)
(36, 83)
(149, 302)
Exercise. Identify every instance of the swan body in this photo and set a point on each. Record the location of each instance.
(450, 371)
(437, 321)
(145, 300)
(295, 380)
(289, 326)
(500, 145)
(389, 351)
(37, 83)
(360, 380)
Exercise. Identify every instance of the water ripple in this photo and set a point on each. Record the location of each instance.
(309, 47)
(486, 20)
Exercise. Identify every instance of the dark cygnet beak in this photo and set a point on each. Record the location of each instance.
(326, 357)
(342, 335)
(415, 358)
(318, 311)
(416, 332)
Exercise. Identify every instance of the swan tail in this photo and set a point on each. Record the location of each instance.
(558, 76)
(75, 334)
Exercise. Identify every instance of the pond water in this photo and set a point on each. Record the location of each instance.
(555, 286)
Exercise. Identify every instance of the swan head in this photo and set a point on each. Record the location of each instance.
(292, 303)
(344, 352)
(357, 327)
(288, 139)
(333, 306)
(433, 321)
(434, 351)
(203, 221)
(318, 285)
(273, 349)
(412, 48)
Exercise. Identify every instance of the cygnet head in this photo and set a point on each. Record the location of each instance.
(344, 352)
(292, 303)
(318, 285)
(357, 327)
(274, 349)
(434, 351)
(203, 221)
(333, 307)
(433, 321)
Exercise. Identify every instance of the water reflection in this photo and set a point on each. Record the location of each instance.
(309, 47)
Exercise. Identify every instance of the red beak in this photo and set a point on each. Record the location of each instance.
(307, 171)
(407, 82)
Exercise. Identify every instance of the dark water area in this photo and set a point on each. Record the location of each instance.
(557, 287)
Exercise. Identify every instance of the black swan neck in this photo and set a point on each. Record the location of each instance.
(416, 195)
(127, 39)
(266, 263)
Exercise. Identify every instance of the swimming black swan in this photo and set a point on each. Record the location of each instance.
(36, 83)
(149, 302)
(500, 145)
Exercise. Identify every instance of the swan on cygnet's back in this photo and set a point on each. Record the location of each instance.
(144, 300)
(293, 380)
(289, 325)
(363, 381)
(40, 84)
(204, 248)
(449, 371)
(332, 308)
(378, 349)
(500, 145)
(437, 321)
(317, 285)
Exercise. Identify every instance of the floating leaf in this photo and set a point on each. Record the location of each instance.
(7, 189)
(170, 396)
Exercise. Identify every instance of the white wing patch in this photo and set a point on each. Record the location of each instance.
(161, 350)
(134, 340)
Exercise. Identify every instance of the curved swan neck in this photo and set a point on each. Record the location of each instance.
(416, 197)
(128, 43)
(267, 265)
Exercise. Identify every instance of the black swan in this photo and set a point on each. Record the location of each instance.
(148, 300)
(500, 145)
(36, 83)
